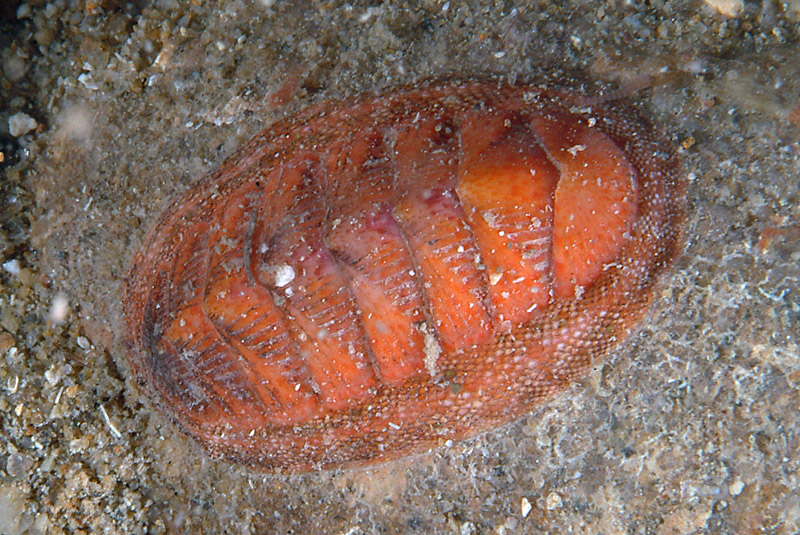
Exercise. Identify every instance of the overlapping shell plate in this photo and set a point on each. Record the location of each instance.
(376, 276)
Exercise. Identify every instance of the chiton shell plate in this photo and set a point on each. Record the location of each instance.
(376, 276)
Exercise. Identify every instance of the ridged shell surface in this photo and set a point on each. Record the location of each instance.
(377, 276)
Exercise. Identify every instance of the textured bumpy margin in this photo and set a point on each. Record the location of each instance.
(375, 276)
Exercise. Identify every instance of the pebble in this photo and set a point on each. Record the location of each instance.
(18, 465)
(14, 68)
(526, 507)
(12, 266)
(729, 8)
(553, 501)
(736, 487)
(20, 124)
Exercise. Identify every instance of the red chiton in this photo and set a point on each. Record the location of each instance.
(376, 276)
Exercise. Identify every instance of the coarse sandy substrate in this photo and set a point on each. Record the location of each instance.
(108, 109)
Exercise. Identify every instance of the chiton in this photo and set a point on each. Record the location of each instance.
(377, 276)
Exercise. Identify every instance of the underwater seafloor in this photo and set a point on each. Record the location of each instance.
(109, 108)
